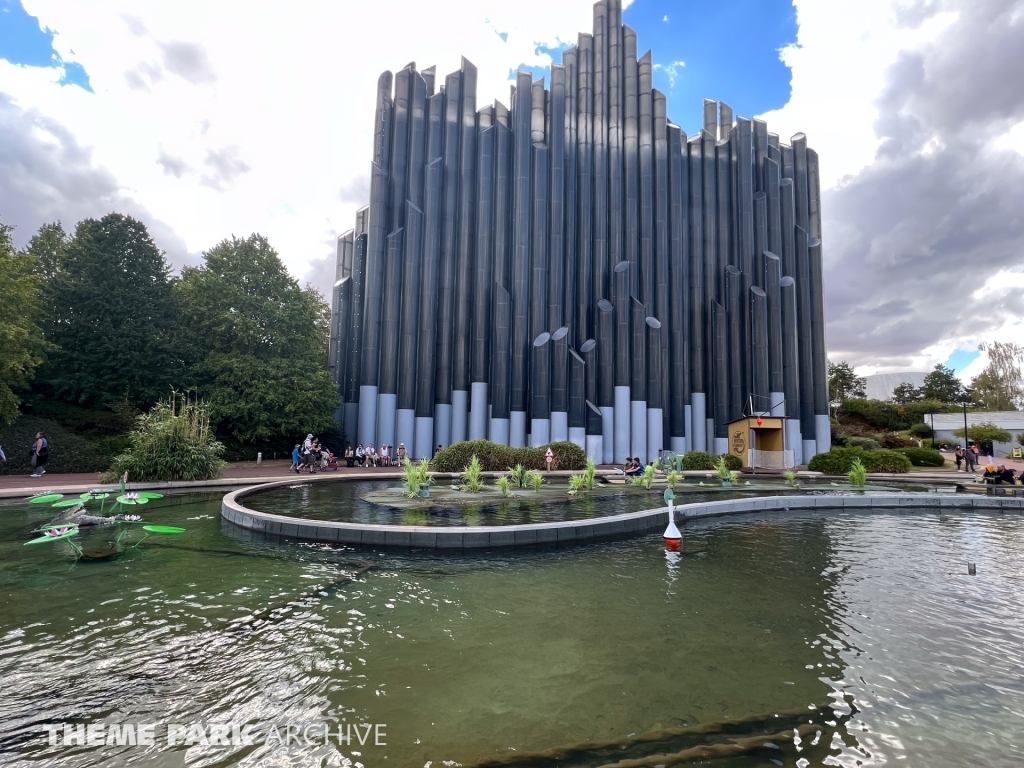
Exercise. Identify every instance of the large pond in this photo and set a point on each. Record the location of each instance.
(866, 624)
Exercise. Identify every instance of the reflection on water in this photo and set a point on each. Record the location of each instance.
(865, 623)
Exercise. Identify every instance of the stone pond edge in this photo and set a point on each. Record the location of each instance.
(459, 538)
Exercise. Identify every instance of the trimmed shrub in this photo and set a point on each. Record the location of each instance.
(68, 451)
(839, 461)
(886, 461)
(920, 430)
(498, 458)
(923, 457)
(867, 443)
(708, 461)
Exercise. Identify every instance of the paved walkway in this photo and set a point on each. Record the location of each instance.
(237, 473)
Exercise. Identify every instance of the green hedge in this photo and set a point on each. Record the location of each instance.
(68, 451)
(838, 461)
(498, 458)
(705, 460)
(923, 457)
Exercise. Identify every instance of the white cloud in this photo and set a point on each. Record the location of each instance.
(914, 123)
(236, 117)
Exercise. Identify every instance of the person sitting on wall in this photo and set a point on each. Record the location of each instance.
(360, 455)
(989, 476)
(385, 456)
(633, 466)
(371, 455)
(1004, 475)
(350, 456)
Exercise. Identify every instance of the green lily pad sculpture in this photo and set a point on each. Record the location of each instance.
(45, 498)
(59, 533)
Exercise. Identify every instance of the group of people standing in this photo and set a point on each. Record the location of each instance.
(310, 455)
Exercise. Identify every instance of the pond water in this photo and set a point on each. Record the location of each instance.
(341, 501)
(865, 623)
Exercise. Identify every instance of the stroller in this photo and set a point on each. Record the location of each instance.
(330, 461)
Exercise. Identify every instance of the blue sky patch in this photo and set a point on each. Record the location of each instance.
(961, 358)
(727, 51)
(26, 43)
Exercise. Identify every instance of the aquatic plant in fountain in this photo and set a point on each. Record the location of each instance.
(585, 480)
(533, 479)
(791, 479)
(504, 484)
(517, 475)
(577, 483)
(726, 475)
(647, 478)
(858, 473)
(673, 477)
(472, 476)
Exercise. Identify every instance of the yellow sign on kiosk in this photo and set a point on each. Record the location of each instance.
(755, 433)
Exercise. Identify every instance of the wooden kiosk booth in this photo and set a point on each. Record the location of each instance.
(759, 442)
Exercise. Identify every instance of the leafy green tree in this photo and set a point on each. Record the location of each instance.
(49, 248)
(21, 340)
(843, 383)
(985, 434)
(1000, 386)
(905, 393)
(109, 309)
(260, 343)
(943, 385)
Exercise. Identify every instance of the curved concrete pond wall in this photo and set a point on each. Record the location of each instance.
(491, 537)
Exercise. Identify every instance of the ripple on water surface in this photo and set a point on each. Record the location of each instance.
(466, 658)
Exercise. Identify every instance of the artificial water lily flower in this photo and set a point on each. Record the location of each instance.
(131, 518)
(56, 531)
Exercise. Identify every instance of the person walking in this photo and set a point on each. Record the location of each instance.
(401, 456)
(295, 458)
(971, 457)
(958, 456)
(40, 454)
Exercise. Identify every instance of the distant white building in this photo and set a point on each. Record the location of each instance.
(880, 386)
(945, 424)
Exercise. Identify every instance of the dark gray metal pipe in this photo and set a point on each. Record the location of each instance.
(736, 352)
(570, 60)
(631, 156)
(788, 233)
(721, 355)
(760, 236)
(759, 359)
(601, 266)
(804, 320)
(819, 359)
(484, 257)
(622, 279)
(605, 372)
(449, 255)
(356, 334)
(578, 388)
(772, 276)
(501, 356)
(376, 244)
(646, 163)
(520, 267)
(678, 303)
(585, 302)
(408, 340)
(696, 262)
(790, 358)
(772, 178)
(465, 256)
(432, 215)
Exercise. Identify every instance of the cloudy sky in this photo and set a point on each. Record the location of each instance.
(211, 119)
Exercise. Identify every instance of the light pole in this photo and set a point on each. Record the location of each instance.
(966, 399)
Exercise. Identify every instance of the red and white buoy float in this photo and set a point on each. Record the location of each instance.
(672, 536)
